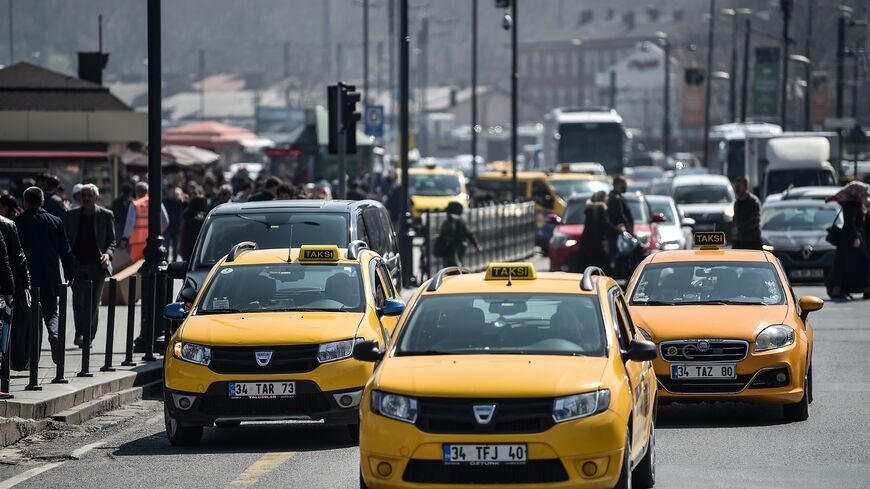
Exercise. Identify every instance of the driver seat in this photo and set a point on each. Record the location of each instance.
(342, 288)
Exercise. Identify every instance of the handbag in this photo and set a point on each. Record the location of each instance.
(835, 233)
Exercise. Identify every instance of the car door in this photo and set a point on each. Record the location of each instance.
(390, 292)
(635, 371)
(647, 372)
(381, 292)
(391, 247)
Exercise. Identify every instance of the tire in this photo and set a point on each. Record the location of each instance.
(228, 424)
(362, 482)
(353, 432)
(809, 385)
(624, 481)
(799, 411)
(178, 434)
(644, 475)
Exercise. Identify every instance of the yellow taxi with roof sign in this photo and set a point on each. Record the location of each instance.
(432, 189)
(727, 324)
(511, 377)
(270, 337)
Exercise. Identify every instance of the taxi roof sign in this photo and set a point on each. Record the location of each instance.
(512, 271)
(709, 240)
(318, 254)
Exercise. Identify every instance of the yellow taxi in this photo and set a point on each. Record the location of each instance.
(432, 189)
(270, 337)
(511, 377)
(727, 324)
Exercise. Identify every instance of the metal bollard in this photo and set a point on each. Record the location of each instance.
(131, 320)
(86, 337)
(61, 336)
(160, 322)
(149, 308)
(110, 327)
(35, 343)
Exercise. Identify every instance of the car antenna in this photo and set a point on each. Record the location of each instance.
(290, 248)
(510, 282)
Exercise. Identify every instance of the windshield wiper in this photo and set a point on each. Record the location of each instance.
(221, 310)
(654, 303)
(723, 302)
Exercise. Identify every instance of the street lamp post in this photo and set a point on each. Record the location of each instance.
(732, 85)
(365, 52)
(708, 83)
(514, 89)
(474, 92)
(665, 42)
(786, 6)
(404, 93)
(747, 45)
(808, 68)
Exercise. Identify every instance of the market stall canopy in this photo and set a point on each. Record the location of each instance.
(173, 155)
(207, 134)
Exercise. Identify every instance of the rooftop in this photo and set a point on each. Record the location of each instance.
(24, 86)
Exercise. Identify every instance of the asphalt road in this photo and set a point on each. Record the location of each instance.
(699, 446)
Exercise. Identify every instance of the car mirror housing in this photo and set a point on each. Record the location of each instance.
(688, 222)
(367, 351)
(177, 270)
(393, 307)
(175, 311)
(554, 218)
(188, 294)
(808, 304)
(642, 351)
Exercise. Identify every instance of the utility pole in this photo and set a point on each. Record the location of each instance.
(379, 82)
(202, 84)
(404, 94)
(423, 69)
(100, 33)
(515, 78)
(11, 35)
(708, 82)
(841, 60)
(286, 60)
(338, 61)
(474, 92)
(808, 95)
(786, 6)
(732, 81)
(744, 92)
(365, 52)
(666, 112)
(612, 90)
(391, 79)
(855, 81)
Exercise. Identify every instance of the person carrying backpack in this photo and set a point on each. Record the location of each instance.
(454, 237)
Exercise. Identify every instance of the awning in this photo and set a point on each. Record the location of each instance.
(52, 154)
(181, 156)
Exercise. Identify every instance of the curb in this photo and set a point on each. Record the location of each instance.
(14, 429)
(108, 402)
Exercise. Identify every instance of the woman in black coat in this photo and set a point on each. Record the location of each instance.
(849, 275)
(597, 229)
(191, 223)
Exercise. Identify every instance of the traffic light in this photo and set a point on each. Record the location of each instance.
(502, 3)
(342, 100)
(332, 104)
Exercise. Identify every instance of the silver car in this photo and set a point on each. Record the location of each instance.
(796, 231)
(675, 231)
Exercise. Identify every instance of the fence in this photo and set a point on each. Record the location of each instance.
(505, 232)
(161, 288)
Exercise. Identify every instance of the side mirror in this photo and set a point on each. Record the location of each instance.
(175, 311)
(177, 270)
(393, 307)
(187, 294)
(808, 304)
(554, 218)
(688, 222)
(642, 351)
(367, 351)
(658, 217)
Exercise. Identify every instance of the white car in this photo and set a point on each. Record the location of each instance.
(675, 230)
(708, 199)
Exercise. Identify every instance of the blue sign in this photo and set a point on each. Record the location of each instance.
(375, 120)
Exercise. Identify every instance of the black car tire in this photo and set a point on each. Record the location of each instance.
(799, 411)
(624, 481)
(362, 482)
(180, 435)
(644, 475)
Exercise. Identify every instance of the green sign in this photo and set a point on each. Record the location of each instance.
(765, 86)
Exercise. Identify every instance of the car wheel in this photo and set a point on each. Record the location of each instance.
(227, 424)
(644, 474)
(353, 431)
(624, 481)
(362, 482)
(809, 386)
(178, 434)
(799, 411)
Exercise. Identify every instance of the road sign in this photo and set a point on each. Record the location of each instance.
(765, 92)
(374, 125)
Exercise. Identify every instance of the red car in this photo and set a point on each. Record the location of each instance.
(566, 236)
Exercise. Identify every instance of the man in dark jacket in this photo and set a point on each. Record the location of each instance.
(747, 217)
(7, 291)
(53, 201)
(619, 214)
(21, 314)
(455, 236)
(269, 191)
(91, 230)
(45, 244)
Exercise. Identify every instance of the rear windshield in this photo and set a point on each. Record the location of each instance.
(540, 324)
(575, 213)
(434, 185)
(703, 194)
(800, 218)
(566, 188)
(778, 181)
(269, 230)
(665, 208)
(688, 283)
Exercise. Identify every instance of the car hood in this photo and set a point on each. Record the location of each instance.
(796, 240)
(705, 208)
(688, 322)
(490, 375)
(573, 230)
(270, 328)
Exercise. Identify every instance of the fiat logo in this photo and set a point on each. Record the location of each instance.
(703, 347)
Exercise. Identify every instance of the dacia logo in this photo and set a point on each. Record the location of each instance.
(317, 255)
(514, 272)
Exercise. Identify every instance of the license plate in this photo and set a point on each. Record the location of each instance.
(263, 390)
(704, 371)
(808, 273)
(484, 454)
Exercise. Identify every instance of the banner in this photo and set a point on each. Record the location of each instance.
(693, 98)
(765, 84)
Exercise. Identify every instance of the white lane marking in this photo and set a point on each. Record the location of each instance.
(18, 479)
(81, 451)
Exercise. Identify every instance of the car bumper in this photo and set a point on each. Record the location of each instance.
(555, 456)
(798, 268)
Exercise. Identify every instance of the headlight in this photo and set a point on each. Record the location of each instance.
(773, 337)
(560, 240)
(581, 405)
(330, 352)
(645, 334)
(728, 215)
(673, 245)
(394, 406)
(193, 353)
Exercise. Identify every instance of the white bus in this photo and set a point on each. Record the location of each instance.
(587, 134)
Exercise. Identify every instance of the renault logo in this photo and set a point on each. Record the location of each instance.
(483, 413)
(807, 252)
(263, 357)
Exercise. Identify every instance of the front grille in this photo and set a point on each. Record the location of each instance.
(285, 359)
(436, 472)
(713, 386)
(309, 399)
(704, 350)
(798, 256)
(456, 416)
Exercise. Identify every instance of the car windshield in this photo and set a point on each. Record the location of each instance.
(686, 283)
(539, 324)
(665, 208)
(575, 213)
(800, 218)
(703, 194)
(639, 211)
(283, 287)
(269, 230)
(778, 181)
(435, 185)
(659, 188)
(565, 188)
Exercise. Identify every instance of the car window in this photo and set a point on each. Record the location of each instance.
(618, 322)
(542, 324)
(434, 185)
(703, 194)
(361, 232)
(283, 287)
(377, 234)
(800, 218)
(665, 208)
(639, 210)
(742, 283)
(378, 290)
(541, 194)
(388, 282)
(575, 213)
(567, 188)
(778, 181)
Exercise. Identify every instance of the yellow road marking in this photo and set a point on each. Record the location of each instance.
(267, 463)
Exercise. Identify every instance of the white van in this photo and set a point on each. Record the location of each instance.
(797, 162)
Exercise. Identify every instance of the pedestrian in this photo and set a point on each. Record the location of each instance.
(191, 224)
(53, 200)
(21, 312)
(223, 195)
(136, 227)
(46, 247)
(76, 196)
(247, 189)
(119, 207)
(9, 206)
(454, 237)
(619, 214)
(91, 230)
(285, 192)
(747, 217)
(597, 231)
(269, 191)
(174, 204)
(849, 274)
(7, 292)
